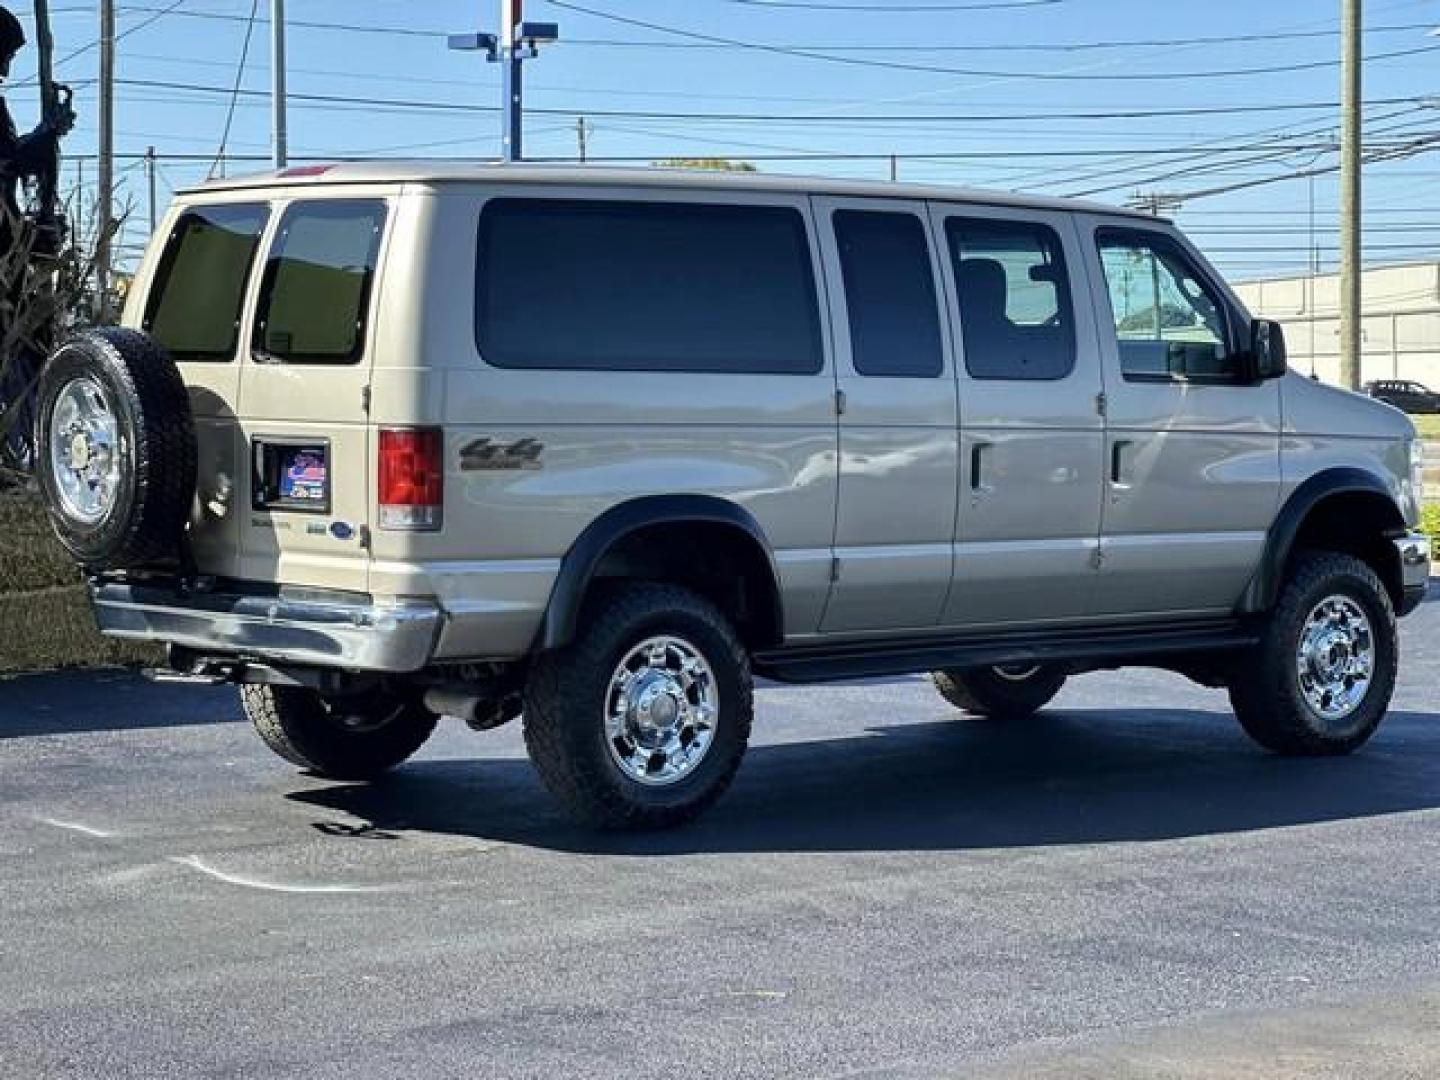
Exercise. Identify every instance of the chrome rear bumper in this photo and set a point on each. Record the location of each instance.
(1414, 552)
(352, 634)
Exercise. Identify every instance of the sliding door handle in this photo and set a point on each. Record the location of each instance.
(1117, 460)
(979, 453)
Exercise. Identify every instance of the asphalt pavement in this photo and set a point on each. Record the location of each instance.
(1124, 886)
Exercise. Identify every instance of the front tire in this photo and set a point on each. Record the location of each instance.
(1322, 678)
(357, 737)
(642, 721)
(1007, 692)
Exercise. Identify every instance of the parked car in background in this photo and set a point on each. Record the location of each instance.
(385, 443)
(1412, 397)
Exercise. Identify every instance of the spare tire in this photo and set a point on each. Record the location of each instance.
(115, 450)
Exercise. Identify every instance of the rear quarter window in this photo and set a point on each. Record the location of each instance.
(195, 303)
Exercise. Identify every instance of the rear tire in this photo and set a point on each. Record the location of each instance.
(1323, 676)
(1007, 692)
(357, 737)
(642, 721)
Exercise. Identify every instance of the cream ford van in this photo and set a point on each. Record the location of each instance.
(384, 443)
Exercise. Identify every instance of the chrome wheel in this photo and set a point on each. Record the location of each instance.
(85, 451)
(1335, 659)
(661, 711)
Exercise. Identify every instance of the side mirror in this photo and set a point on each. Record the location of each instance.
(1267, 350)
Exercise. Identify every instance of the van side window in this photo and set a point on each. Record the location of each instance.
(195, 303)
(1169, 322)
(889, 293)
(646, 286)
(316, 295)
(1015, 311)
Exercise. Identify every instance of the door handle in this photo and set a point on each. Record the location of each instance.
(1117, 460)
(978, 453)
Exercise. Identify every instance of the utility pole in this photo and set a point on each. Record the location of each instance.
(517, 42)
(150, 182)
(582, 132)
(894, 168)
(1350, 201)
(106, 194)
(278, 96)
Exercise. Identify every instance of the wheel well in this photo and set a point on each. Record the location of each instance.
(1357, 523)
(721, 562)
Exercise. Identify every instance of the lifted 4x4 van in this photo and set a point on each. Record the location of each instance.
(386, 443)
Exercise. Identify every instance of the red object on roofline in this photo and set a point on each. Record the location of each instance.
(306, 170)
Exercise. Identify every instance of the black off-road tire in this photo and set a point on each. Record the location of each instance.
(340, 738)
(156, 451)
(984, 694)
(566, 697)
(1265, 688)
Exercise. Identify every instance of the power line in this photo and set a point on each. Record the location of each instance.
(815, 5)
(235, 90)
(893, 65)
(769, 118)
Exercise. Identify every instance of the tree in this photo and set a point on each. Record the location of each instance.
(709, 163)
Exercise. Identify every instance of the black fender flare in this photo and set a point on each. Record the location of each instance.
(1264, 586)
(578, 567)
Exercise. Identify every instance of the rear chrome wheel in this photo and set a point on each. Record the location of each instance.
(661, 712)
(642, 720)
(84, 450)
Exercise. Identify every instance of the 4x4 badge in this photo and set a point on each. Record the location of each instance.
(486, 453)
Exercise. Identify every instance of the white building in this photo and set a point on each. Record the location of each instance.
(1401, 328)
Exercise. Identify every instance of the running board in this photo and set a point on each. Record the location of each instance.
(859, 660)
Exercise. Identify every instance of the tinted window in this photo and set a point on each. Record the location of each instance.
(194, 307)
(890, 293)
(1015, 312)
(316, 295)
(1169, 323)
(646, 287)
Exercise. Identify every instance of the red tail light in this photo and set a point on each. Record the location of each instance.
(412, 479)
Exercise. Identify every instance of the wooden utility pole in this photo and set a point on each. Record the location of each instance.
(1351, 134)
(279, 105)
(105, 196)
(582, 133)
(150, 183)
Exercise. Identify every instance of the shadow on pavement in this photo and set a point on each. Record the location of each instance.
(1071, 777)
(71, 703)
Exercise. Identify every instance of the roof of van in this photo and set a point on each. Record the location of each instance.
(447, 172)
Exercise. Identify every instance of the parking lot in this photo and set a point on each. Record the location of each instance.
(1124, 886)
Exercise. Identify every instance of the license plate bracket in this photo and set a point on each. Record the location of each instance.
(291, 475)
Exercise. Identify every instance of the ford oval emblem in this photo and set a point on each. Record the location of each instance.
(342, 530)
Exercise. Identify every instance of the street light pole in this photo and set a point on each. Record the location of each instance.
(278, 92)
(105, 211)
(1351, 345)
(517, 42)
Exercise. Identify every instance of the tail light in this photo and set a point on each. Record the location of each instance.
(412, 479)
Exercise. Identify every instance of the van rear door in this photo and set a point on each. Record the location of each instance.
(304, 395)
(192, 298)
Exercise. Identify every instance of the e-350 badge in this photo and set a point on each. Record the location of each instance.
(486, 454)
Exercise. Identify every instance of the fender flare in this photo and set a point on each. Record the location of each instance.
(578, 567)
(1264, 586)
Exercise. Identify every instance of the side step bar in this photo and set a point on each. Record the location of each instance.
(827, 663)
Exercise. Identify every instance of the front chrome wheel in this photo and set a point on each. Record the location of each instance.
(1335, 659)
(661, 711)
(85, 451)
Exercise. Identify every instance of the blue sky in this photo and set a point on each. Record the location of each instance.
(1056, 58)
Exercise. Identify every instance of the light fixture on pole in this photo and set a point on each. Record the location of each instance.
(517, 42)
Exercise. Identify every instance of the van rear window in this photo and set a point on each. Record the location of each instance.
(194, 305)
(316, 296)
(636, 286)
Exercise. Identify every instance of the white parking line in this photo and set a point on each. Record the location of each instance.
(194, 862)
(75, 826)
